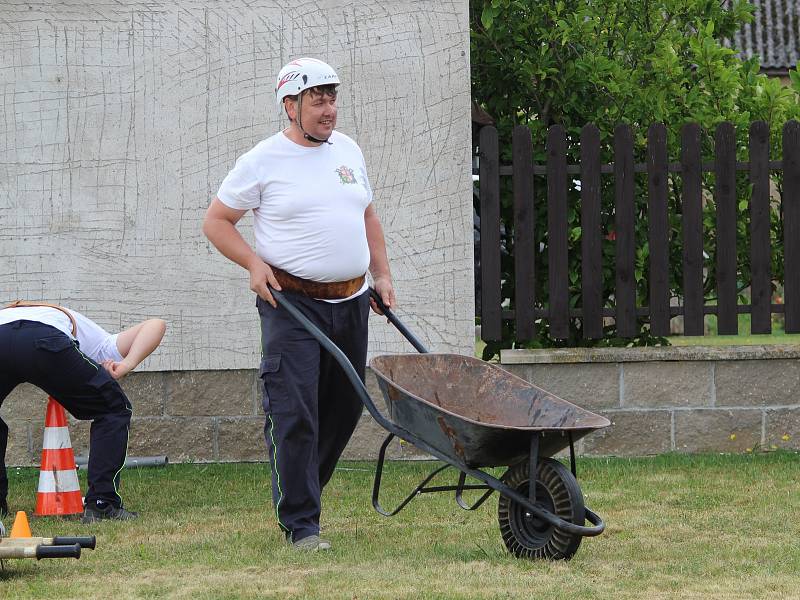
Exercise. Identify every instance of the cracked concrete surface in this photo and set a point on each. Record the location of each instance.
(119, 120)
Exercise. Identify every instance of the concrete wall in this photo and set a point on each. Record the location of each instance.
(119, 119)
(683, 399)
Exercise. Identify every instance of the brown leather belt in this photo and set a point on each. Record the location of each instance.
(335, 290)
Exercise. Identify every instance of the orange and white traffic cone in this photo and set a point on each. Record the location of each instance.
(59, 490)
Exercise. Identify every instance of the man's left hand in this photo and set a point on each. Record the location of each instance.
(117, 370)
(385, 289)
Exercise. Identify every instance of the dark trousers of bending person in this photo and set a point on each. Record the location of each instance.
(36, 353)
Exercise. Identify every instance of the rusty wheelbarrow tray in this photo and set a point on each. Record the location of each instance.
(475, 412)
(471, 414)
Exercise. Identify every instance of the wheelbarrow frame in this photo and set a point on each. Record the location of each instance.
(490, 482)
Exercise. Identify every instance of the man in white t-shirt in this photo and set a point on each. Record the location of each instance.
(78, 363)
(317, 234)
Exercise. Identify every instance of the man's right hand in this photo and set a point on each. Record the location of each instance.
(261, 279)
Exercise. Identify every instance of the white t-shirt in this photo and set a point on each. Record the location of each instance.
(308, 204)
(95, 342)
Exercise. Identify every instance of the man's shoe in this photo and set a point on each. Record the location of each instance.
(312, 543)
(94, 513)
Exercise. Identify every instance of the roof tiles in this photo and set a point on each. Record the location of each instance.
(774, 35)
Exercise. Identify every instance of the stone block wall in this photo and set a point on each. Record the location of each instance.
(658, 400)
(682, 399)
(194, 416)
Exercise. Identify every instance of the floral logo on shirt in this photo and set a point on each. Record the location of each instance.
(346, 175)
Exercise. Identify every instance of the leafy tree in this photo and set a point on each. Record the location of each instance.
(639, 62)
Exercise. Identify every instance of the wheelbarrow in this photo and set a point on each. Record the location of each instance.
(471, 414)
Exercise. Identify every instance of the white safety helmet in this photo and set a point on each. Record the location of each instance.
(302, 74)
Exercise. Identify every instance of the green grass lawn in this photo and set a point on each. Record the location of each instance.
(744, 338)
(735, 340)
(677, 527)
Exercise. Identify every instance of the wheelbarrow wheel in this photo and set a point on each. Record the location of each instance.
(558, 492)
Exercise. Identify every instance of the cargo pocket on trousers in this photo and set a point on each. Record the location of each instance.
(114, 400)
(271, 382)
(53, 354)
(53, 343)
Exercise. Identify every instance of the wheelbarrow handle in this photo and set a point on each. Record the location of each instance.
(420, 347)
(341, 358)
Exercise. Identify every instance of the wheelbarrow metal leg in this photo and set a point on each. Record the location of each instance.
(533, 466)
(376, 488)
(462, 477)
(572, 456)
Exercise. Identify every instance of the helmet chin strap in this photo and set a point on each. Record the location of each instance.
(311, 138)
(306, 135)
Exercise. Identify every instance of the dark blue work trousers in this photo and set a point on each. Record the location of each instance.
(46, 357)
(311, 407)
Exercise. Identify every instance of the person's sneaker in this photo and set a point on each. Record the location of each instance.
(94, 513)
(312, 543)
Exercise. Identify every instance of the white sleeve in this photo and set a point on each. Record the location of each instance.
(95, 342)
(108, 349)
(241, 189)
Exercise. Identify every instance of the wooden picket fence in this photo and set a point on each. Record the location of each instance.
(556, 175)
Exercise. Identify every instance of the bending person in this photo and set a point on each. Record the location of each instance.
(78, 363)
